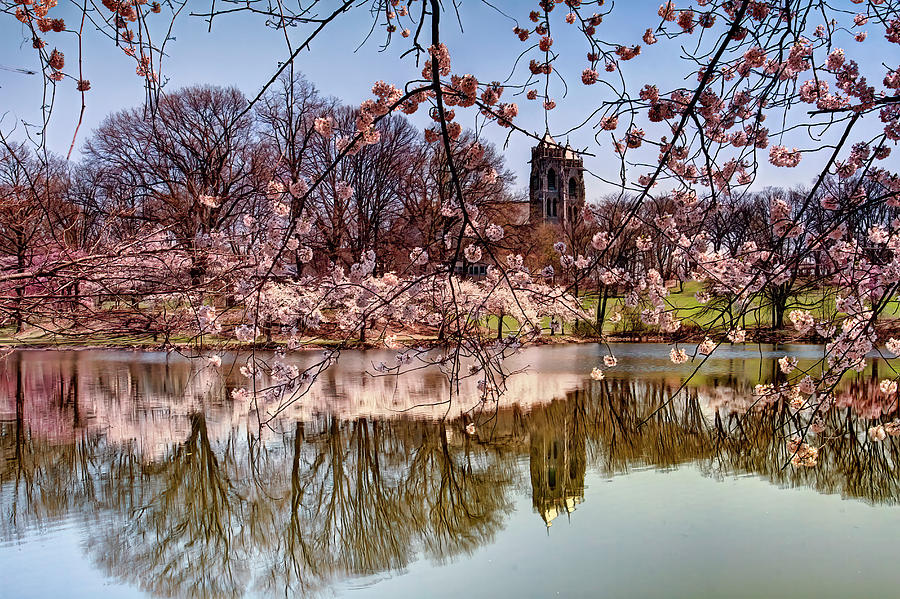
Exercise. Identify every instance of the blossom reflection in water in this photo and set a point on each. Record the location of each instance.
(182, 491)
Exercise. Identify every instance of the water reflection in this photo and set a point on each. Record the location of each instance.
(179, 491)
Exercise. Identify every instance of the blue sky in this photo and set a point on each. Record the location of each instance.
(240, 51)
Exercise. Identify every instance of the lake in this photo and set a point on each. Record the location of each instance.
(128, 474)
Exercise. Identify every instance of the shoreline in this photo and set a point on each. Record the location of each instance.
(766, 336)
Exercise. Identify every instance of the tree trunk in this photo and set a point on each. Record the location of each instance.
(601, 308)
(779, 306)
(20, 289)
(577, 299)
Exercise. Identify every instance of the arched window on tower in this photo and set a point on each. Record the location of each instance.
(573, 187)
(551, 180)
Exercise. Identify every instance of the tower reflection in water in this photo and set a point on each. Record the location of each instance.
(556, 459)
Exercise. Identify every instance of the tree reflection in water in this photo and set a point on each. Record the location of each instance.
(178, 491)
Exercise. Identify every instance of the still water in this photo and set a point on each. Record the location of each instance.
(136, 475)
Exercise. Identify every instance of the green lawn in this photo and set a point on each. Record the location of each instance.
(693, 314)
(681, 300)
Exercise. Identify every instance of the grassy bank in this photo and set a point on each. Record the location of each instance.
(697, 321)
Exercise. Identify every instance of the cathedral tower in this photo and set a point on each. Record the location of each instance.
(557, 183)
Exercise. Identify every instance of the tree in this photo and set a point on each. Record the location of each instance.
(37, 229)
(189, 170)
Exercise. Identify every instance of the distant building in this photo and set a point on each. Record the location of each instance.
(556, 196)
(556, 193)
(477, 270)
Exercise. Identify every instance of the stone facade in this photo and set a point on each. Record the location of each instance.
(556, 193)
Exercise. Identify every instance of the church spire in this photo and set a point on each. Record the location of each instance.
(547, 139)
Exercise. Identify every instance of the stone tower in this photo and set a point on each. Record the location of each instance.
(557, 183)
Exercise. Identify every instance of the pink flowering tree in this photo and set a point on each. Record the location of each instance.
(760, 88)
